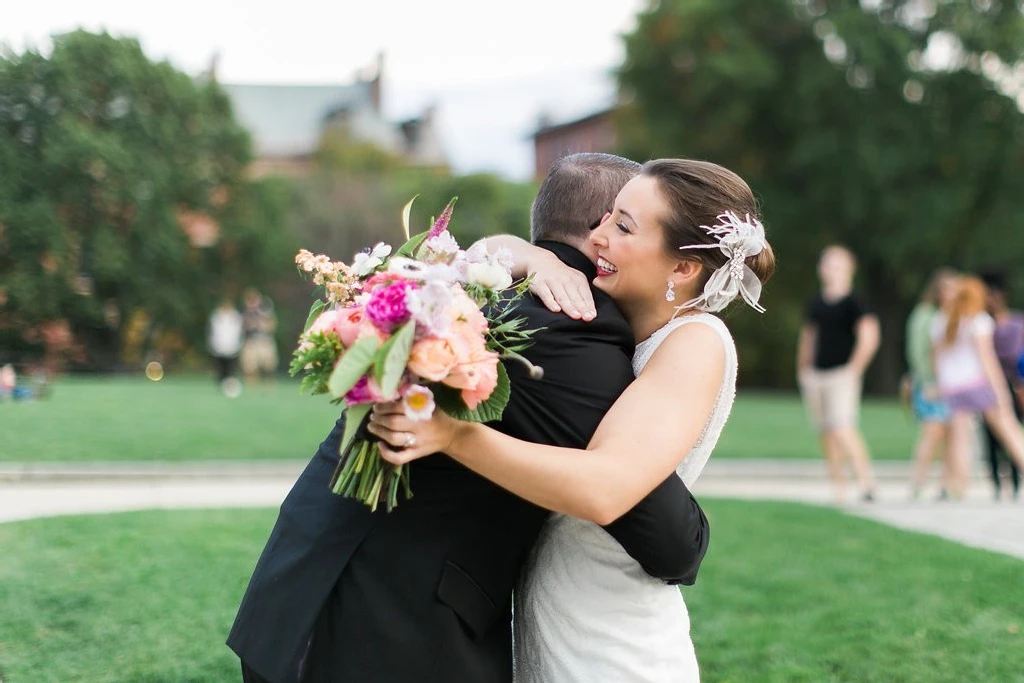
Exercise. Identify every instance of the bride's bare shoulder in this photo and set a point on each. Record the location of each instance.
(695, 347)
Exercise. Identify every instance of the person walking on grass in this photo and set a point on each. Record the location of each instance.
(838, 339)
(971, 379)
(1008, 338)
(930, 409)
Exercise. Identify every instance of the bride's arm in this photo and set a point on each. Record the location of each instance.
(639, 443)
(557, 285)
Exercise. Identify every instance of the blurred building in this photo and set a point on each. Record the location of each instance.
(288, 121)
(592, 133)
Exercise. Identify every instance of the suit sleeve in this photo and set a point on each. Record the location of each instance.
(667, 533)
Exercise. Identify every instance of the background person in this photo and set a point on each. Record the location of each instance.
(929, 407)
(1008, 339)
(971, 379)
(259, 351)
(837, 342)
(224, 339)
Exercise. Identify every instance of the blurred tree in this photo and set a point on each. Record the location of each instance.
(338, 150)
(891, 126)
(122, 197)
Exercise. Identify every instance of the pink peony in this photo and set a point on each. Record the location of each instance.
(386, 307)
(432, 358)
(348, 324)
(324, 322)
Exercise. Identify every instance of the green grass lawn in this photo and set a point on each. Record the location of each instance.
(788, 593)
(174, 419)
(187, 419)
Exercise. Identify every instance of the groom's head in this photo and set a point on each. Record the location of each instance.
(575, 194)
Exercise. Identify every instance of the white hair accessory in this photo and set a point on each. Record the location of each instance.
(738, 239)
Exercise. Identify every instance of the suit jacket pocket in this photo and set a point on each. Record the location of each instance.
(470, 602)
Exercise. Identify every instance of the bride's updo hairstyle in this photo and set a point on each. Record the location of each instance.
(697, 193)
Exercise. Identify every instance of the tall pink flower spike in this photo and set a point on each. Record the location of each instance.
(441, 224)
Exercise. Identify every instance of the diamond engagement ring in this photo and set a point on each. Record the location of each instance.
(410, 440)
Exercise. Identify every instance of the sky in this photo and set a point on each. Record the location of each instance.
(491, 68)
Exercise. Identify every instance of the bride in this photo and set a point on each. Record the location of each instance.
(682, 231)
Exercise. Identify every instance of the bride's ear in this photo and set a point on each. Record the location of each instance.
(686, 273)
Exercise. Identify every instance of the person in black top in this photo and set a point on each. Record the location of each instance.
(423, 593)
(838, 339)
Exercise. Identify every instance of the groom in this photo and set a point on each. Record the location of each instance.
(422, 594)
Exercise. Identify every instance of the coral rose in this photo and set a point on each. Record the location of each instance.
(432, 358)
(476, 372)
(486, 372)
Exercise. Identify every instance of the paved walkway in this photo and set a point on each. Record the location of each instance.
(44, 490)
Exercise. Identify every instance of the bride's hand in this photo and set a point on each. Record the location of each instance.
(404, 440)
(561, 288)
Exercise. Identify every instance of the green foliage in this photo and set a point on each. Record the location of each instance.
(105, 159)
(354, 416)
(411, 245)
(392, 357)
(314, 312)
(850, 129)
(317, 362)
(354, 363)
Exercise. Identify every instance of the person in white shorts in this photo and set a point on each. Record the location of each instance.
(838, 339)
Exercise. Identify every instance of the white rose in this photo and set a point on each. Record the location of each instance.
(487, 275)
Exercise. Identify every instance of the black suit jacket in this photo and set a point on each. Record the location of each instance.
(423, 593)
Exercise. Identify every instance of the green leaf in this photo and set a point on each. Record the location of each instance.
(409, 248)
(393, 356)
(354, 416)
(406, 212)
(314, 312)
(491, 410)
(353, 364)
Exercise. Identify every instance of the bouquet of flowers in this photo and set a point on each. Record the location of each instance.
(408, 326)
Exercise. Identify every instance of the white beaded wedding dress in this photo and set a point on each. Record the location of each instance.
(585, 612)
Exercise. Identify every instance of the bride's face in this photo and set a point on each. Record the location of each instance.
(632, 266)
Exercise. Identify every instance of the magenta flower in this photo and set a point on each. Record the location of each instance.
(386, 307)
(365, 391)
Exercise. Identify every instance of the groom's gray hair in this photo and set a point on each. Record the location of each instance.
(577, 191)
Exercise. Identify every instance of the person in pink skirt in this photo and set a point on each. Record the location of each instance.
(971, 379)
